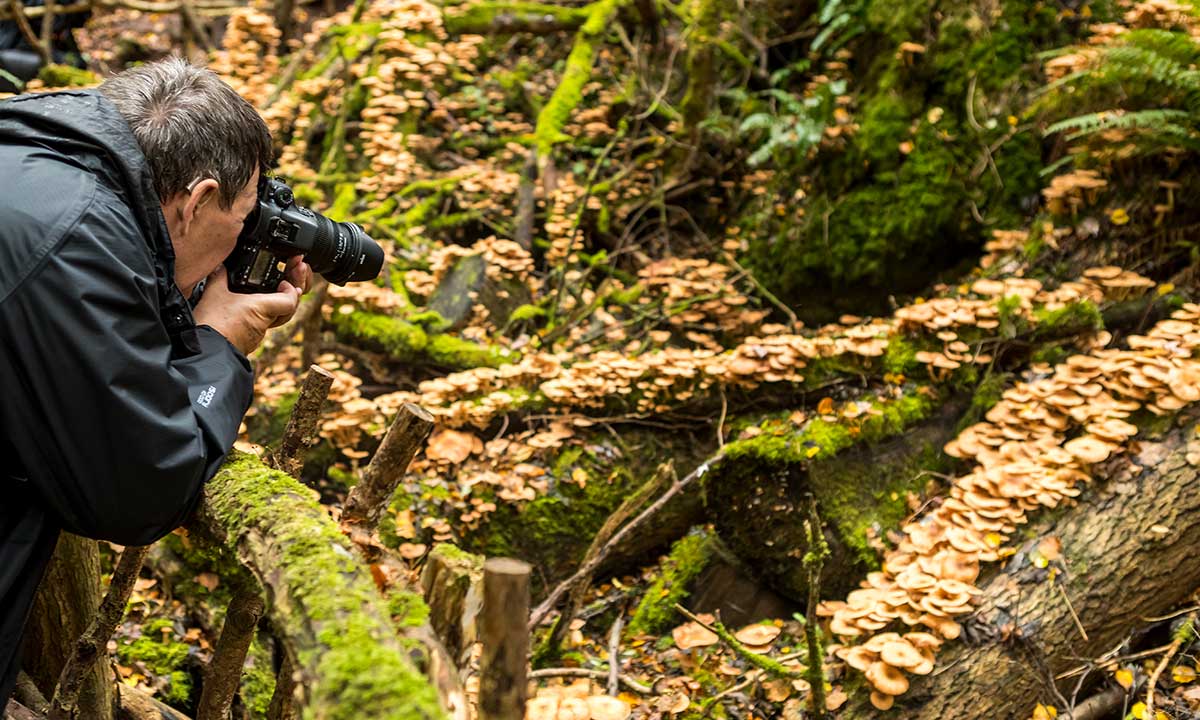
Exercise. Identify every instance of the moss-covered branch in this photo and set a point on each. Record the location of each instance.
(323, 601)
(406, 342)
(513, 17)
(569, 93)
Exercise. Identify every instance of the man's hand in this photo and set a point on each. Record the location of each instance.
(245, 318)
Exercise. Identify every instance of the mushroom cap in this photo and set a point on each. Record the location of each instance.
(882, 701)
(860, 658)
(923, 640)
(887, 678)
(900, 654)
(1088, 449)
(604, 707)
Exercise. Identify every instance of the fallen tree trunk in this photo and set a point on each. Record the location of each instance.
(1128, 553)
(331, 619)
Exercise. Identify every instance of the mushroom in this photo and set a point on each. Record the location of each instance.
(1088, 449)
(901, 654)
(882, 701)
(887, 678)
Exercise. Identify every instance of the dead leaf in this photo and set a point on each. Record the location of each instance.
(210, 581)
(835, 698)
(778, 690)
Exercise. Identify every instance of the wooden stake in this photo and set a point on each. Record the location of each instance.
(48, 24)
(503, 667)
(379, 480)
(224, 673)
(94, 640)
(302, 425)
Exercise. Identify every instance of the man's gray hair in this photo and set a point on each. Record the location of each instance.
(191, 125)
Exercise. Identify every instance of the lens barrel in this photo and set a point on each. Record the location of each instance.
(342, 252)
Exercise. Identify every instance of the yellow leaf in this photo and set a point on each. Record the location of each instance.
(1164, 288)
(1183, 674)
(1119, 216)
(1124, 678)
(812, 451)
(1160, 715)
(1138, 711)
(825, 406)
(1012, 120)
(579, 476)
(993, 539)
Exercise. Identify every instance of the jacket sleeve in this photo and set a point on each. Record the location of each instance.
(114, 435)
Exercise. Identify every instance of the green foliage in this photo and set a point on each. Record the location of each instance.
(1144, 82)
(67, 76)
(688, 557)
(796, 125)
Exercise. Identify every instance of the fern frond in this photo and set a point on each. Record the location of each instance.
(1110, 120)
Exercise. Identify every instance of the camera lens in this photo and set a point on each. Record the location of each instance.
(343, 253)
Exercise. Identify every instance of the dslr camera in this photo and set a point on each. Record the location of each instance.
(278, 229)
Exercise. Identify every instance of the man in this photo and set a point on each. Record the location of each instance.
(119, 399)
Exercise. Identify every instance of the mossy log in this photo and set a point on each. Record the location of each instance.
(860, 474)
(1128, 553)
(408, 343)
(493, 18)
(323, 602)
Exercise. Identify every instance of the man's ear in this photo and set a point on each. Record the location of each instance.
(199, 195)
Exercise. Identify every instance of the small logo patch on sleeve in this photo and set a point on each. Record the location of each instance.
(207, 395)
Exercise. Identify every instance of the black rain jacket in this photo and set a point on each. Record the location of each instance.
(115, 407)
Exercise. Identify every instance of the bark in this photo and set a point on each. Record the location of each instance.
(1128, 552)
(370, 497)
(503, 673)
(66, 600)
(225, 671)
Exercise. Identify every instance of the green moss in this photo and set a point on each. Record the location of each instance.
(408, 609)
(527, 312)
(486, 17)
(1071, 318)
(578, 71)
(162, 655)
(688, 557)
(67, 76)
(900, 357)
(344, 199)
(359, 673)
(987, 393)
(265, 427)
(407, 342)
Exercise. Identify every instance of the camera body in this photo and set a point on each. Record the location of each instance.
(279, 229)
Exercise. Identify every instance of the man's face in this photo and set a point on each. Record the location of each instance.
(205, 233)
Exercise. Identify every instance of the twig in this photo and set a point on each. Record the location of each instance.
(767, 665)
(813, 561)
(628, 507)
(225, 670)
(283, 703)
(614, 654)
(303, 423)
(589, 566)
(188, 14)
(1071, 608)
(93, 641)
(17, 9)
(48, 23)
(721, 422)
(762, 289)
(586, 672)
(374, 490)
(1158, 671)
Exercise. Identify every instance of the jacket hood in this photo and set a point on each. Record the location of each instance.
(88, 130)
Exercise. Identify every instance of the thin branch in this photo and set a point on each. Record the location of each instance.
(585, 672)
(17, 9)
(302, 424)
(225, 670)
(1158, 671)
(93, 641)
(590, 566)
(614, 653)
(379, 480)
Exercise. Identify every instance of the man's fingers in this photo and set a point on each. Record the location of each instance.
(299, 273)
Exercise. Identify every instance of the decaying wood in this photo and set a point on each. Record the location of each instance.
(26, 692)
(589, 566)
(17, 711)
(136, 704)
(1134, 529)
(503, 668)
(302, 425)
(370, 497)
(453, 584)
(92, 644)
(224, 672)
